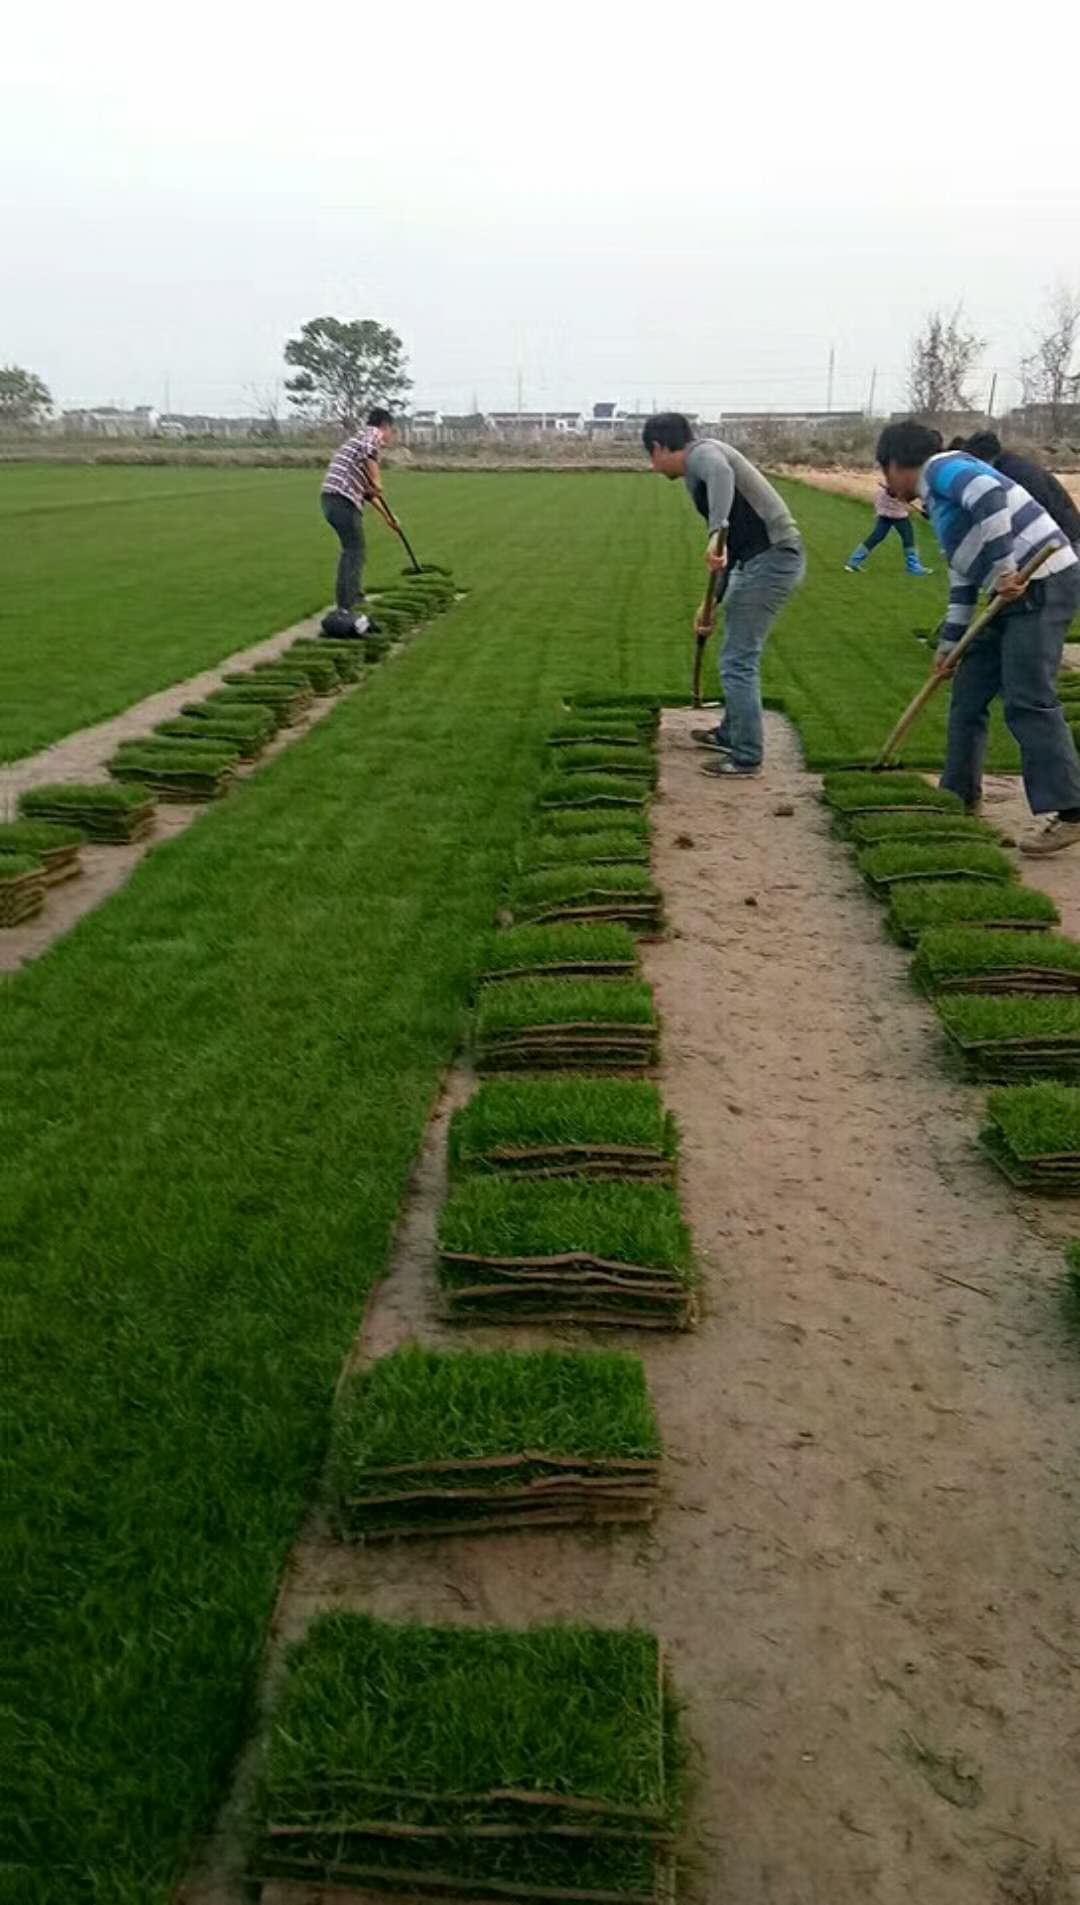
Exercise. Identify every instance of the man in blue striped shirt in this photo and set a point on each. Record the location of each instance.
(989, 528)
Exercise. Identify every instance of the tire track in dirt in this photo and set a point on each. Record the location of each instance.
(864, 1566)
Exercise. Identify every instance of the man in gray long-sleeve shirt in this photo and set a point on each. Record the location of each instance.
(755, 545)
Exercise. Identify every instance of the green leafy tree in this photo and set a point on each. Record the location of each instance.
(342, 368)
(23, 396)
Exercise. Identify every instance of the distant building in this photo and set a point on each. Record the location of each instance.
(537, 423)
(423, 426)
(109, 420)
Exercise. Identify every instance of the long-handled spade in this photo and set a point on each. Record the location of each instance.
(929, 688)
(391, 522)
(715, 590)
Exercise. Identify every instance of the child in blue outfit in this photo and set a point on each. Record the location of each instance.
(892, 513)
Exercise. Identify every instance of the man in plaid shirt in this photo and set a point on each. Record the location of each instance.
(351, 481)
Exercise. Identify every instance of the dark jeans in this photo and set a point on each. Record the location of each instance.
(348, 524)
(1018, 658)
(882, 526)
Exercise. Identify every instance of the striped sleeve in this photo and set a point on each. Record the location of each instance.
(963, 596)
(985, 552)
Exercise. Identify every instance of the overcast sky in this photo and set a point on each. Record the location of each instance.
(682, 203)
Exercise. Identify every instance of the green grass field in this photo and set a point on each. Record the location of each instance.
(119, 581)
(212, 1091)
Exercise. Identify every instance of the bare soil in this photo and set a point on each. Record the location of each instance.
(82, 757)
(866, 1561)
(862, 483)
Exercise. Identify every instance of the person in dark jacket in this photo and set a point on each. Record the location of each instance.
(1038, 481)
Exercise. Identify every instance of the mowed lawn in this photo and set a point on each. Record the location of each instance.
(211, 1094)
(119, 581)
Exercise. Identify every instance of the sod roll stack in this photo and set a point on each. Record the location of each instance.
(588, 891)
(427, 1443)
(850, 795)
(55, 847)
(177, 770)
(598, 792)
(1001, 906)
(963, 959)
(565, 1025)
(597, 1128)
(22, 888)
(1032, 1132)
(616, 1253)
(473, 1762)
(564, 952)
(909, 862)
(1016, 1037)
(117, 815)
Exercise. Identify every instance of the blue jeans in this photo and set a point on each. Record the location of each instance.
(882, 526)
(1018, 658)
(756, 593)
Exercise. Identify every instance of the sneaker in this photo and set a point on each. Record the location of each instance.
(361, 625)
(853, 568)
(729, 769)
(709, 737)
(1051, 837)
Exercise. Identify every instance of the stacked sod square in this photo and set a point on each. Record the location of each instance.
(563, 1206)
(1005, 985)
(483, 1762)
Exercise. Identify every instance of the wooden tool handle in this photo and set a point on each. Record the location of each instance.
(929, 688)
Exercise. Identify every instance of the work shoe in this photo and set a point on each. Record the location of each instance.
(710, 738)
(728, 769)
(1051, 837)
(360, 624)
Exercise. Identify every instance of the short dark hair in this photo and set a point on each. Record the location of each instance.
(985, 444)
(957, 443)
(379, 416)
(908, 444)
(668, 430)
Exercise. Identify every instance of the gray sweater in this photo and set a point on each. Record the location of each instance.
(731, 494)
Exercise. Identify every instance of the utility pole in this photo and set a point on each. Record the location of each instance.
(993, 394)
(873, 392)
(832, 372)
(519, 406)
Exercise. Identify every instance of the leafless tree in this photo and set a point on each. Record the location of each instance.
(943, 356)
(1050, 375)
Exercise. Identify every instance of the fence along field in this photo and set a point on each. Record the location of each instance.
(202, 1190)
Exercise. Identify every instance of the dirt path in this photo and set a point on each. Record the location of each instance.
(861, 484)
(82, 757)
(866, 1564)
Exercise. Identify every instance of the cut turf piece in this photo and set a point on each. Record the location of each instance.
(291, 698)
(55, 847)
(566, 1025)
(602, 731)
(319, 668)
(1014, 1037)
(428, 1443)
(872, 830)
(241, 701)
(177, 771)
(963, 959)
(1006, 906)
(244, 721)
(565, 1127)
(118, 815)
(1032, 1133)
(572, 895)
(566, 1251)
(592, 757)
(566, 952)
(568, 821)
(612, 846)
(571, 791)
(850, 794)
(248, 742)
(345, 655)
(896, 861)
(492, 1763)
(22, 888)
